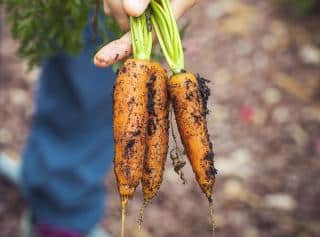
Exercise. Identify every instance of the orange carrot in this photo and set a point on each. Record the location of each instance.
(157, 132)
(190, 113)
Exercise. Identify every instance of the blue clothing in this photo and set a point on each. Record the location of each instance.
(70, 146)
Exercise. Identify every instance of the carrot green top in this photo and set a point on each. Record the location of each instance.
(168, 34)
(141, 36)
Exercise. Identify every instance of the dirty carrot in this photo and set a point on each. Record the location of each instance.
(157, 134)
(130, 115)
(157, 131)
(129, 125)
(188, 96)
(190, 115)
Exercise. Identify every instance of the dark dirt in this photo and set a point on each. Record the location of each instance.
(205, 91)
(264, 69)
(151, 94)
(129, 148)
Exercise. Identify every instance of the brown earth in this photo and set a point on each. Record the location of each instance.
(264, 68)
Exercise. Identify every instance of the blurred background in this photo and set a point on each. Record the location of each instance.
(263, 61)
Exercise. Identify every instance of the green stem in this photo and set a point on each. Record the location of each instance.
(168, 34)
(141, 37)
(164, 29)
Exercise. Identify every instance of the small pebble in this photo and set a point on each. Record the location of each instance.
(282, 201)
(310, 54)
(239, 164)
(271, 96)
(281, 115)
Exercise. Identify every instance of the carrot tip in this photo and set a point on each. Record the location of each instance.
(211, 213)
(141, 213)
(124, 202)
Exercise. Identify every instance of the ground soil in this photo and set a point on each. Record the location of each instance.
(264, 68)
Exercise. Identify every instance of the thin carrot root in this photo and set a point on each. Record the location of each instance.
(211, 214)
(141, 213)
(124, 202)
(178, 161)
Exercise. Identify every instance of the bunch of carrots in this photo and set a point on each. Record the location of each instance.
(143, 95)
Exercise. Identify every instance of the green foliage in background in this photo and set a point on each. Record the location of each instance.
(300, 7)
(47, 27)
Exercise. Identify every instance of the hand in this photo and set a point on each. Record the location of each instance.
(121, 9)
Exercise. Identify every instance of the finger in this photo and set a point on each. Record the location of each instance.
(114, 51)
(135, 7)
(179, 7)
(122, 48)
(119, 13)
(106, 8)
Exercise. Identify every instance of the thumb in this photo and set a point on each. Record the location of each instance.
(135, 7)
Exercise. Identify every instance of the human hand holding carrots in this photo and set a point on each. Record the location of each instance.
(121, 9)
